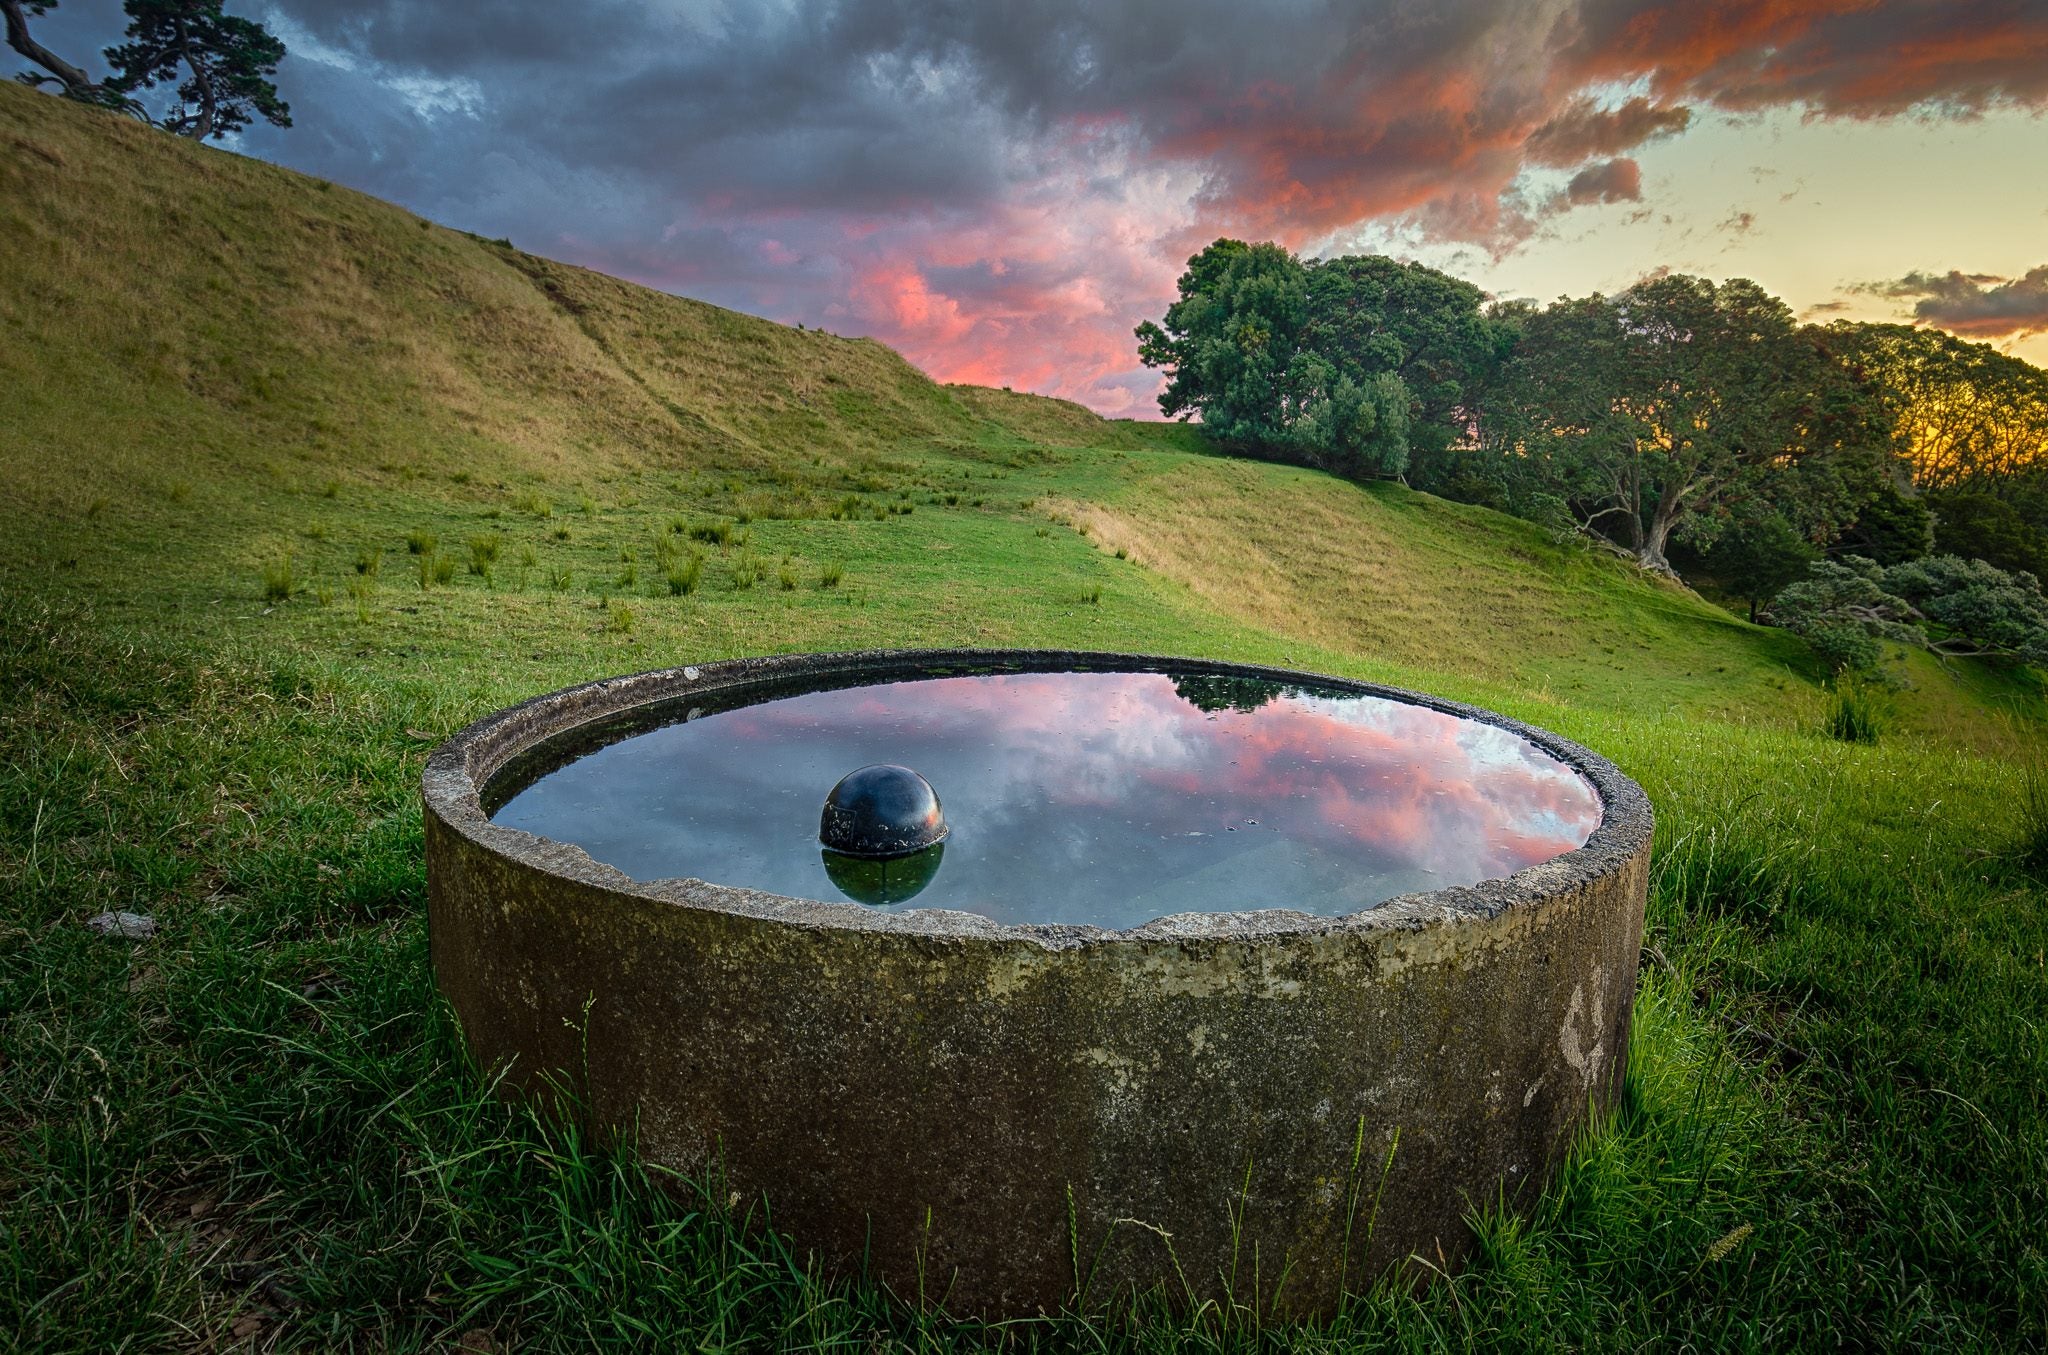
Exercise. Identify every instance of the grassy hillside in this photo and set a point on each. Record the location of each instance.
(215, 364)
(1428, 585)
(300, 483)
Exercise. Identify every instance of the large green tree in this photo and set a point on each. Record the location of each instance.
(1379, 321)
(1758, 554)
(1227, 343)
(1649, 411)
(1349, 363)
(1892, 526)
(1982, 527)
(218, 65)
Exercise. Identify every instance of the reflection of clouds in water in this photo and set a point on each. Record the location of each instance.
(1084, 740)
(1071, 794)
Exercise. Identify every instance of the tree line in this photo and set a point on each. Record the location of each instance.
(216, 65)
(1697, 427)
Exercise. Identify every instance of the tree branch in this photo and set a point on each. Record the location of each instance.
(76, 82)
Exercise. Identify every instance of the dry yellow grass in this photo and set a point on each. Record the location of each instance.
(1422, 583)
(1330, 563)
(1045, 421)
(162, 297)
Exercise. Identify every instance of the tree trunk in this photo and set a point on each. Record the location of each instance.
(202, 126)
(1650, 547)
(1650, 550)
(76, 82)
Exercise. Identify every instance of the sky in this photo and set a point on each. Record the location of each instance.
(1002, 191)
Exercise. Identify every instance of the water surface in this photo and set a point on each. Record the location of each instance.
(1102, 798)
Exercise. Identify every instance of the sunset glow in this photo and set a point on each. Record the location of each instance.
(1002, 193)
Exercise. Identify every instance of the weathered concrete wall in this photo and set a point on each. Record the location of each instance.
(1002, 1115)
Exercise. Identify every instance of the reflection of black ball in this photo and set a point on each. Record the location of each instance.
(893, 879)
(881, 811)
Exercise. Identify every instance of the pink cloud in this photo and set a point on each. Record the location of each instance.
(1447, 123)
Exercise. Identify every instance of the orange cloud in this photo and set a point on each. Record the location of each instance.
(1583, 130)
(1609, 181)
(1476, 125)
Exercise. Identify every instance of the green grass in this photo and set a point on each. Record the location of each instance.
(280, 581)
(1838, 1050)
(259, 1125)
(1857, 712)
(483, 553)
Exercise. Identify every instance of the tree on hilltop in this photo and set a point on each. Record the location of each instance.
(1345, 363)
(220, 65)
(1969, 418)
(75, 83)
(1379, 321)
(1228, 342)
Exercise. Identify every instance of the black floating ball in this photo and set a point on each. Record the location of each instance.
(881, 811)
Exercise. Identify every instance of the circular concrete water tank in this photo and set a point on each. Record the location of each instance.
(1020, 1118)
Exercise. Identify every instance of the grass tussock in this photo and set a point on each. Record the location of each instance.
(484, 550)
(1856, 712)
(281, 579)
(2030, 842)
(362, 592)
(681, 568)
(683, 574)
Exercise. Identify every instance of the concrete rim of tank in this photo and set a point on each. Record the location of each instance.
(460, 768)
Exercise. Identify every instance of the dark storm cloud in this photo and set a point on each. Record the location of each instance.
(1980, 305)
(1297, 118)
(1003, 189)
